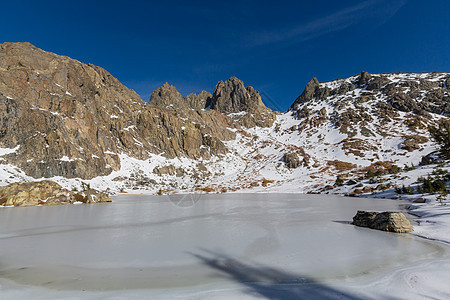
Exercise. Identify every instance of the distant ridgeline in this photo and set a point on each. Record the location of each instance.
(61, 118)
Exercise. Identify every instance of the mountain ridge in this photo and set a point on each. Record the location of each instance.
(51, 107)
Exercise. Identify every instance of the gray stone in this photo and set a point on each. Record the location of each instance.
(420, 200)
(386, 221)
(291, 159)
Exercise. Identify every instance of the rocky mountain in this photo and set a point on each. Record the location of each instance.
(367, 107)
(75, 123)
(231, 98)
(71, 119)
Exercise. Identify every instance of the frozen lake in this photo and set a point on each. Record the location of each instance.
(281, 246)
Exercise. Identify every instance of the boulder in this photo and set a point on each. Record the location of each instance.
(93, 196)
(291, 159)
(386, 221)
(166, 170)
(364, 218)
(420, 200)
(46, 192)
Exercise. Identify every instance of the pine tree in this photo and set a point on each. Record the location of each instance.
(442, 196)
(441, 134)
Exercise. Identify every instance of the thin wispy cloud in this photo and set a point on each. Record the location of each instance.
(379, 10)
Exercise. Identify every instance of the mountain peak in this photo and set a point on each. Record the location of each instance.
(232, 97)
(167, 96)
(308, 93)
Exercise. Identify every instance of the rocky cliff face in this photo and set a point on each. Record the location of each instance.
(59, 112)
(71, 119)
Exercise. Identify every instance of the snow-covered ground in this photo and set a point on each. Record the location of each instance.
(434, 222)
(228, 246)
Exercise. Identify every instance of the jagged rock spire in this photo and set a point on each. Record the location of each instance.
(232, 96)
(308, 93)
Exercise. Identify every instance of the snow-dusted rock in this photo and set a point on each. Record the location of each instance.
(386, 221)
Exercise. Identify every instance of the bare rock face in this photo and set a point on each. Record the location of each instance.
(232, 97)
(199, 101)
(59, 111)
(308, 93)
(195, 132)
(46, 193)
(168, 96)
(386, 221)
(72, 119)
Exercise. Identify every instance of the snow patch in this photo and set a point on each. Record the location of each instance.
(5, 151)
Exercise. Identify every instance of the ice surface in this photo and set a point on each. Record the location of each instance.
(213, 246)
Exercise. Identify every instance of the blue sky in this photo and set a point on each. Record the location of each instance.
(274, 46)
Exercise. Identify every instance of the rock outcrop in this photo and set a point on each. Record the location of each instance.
(168, 97)
(244, 103)
(307, 94)
(386, 221)
(46, 193)
(200, 101)
(291, 160)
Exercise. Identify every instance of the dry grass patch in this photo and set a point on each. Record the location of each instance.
(341, 165)
(266, 182)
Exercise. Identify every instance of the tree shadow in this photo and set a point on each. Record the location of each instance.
(268, 282)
